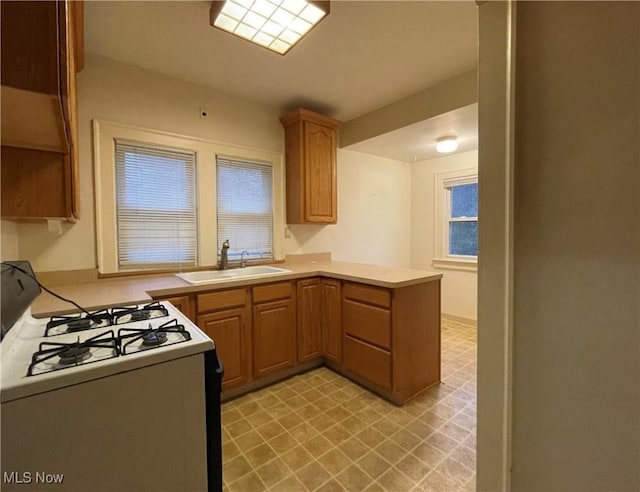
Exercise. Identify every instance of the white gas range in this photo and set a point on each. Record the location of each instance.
(141, 384)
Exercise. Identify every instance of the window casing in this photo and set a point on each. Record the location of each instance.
(461, 206)
(456, 220)
(205, 153)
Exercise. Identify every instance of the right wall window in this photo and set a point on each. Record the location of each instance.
(461, 206)
(455, 220)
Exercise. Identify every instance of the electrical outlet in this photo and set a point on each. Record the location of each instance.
(204, 112)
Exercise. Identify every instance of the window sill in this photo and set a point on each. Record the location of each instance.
(460, 264)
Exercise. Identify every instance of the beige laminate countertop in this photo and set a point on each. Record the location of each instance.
(132, 290)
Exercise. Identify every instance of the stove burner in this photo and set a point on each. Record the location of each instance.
(74, 355)
(154, 338)
(151, 337)
(59, 325)
(78, 325)
(140, 315)
(123, 315)
(53, 356)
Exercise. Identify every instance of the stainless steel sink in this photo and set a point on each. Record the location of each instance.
(212, 276)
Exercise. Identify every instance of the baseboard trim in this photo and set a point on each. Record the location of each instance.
(460, 319)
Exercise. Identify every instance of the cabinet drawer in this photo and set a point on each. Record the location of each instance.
(368, 323)
(366, 293)
(223, 299)
(272, 292)
(367, 361)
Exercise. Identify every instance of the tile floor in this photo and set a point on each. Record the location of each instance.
(320, 432)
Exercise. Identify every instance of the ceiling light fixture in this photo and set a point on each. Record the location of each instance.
(274, 24)
(445, 145)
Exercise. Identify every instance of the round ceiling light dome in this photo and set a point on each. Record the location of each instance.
(448, 144)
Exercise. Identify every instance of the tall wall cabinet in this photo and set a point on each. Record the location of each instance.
(310, 147)
(42, 49)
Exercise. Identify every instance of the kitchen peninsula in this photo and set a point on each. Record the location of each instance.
(379, 326)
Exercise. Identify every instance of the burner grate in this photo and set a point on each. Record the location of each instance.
(127, 314)
(151, 337)
(58, 325)
(52, 356)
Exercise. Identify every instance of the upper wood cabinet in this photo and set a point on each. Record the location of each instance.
(310, 146)
(41, 52)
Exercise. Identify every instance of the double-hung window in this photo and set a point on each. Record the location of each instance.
(461, 205)
(156, 212)
(456, 220)
(244, 191)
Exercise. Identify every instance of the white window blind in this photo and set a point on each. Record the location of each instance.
(156, 206)
(245, 207)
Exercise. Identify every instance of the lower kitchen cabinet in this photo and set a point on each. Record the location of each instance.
(331, 319)
(309, 305)
(231, 332)
(274, 337)
(184, 304)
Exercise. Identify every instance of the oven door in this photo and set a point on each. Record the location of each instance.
(213, 373)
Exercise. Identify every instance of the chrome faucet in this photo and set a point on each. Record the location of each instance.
(224, 256)
(243, 262)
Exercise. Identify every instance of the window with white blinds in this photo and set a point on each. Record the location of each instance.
(155, 206)
(245, 207)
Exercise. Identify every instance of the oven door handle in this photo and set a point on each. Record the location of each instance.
(220, 369)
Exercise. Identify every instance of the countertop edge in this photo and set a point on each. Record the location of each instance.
(132, 294)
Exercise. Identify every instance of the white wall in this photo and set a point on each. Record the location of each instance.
(374, 214)
(9, 245)
(459, 288)
(125, 94)
(576, 322)
(373, 193)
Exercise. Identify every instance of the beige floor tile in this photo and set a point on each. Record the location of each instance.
(230, 450)
(303, 432)
(354, 424)
(374, 487)
(334, 461)
(249, 440)
(260, 455)
(283, 443)
(290, 420)
(390, 451)
(289, 484)
(321, 422)
(413, 468)
(405, 439)
(385, 426)
(374, 464)
(442, 442)
(249, 408)
(396, 481)
(259, 418)
(296, 458)
(313, 475)
(317, 446)
(338, 413)
(370, 437)
(249, 483)
(230, 416)
(465, 455)
(235, 468)
(429, 454)
(238, 427)
(353, 478)
(337, 434)
(273, 472)
(270, 430)
(331, 486)
(354, 448)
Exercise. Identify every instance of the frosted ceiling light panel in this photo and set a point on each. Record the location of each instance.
(274, 24)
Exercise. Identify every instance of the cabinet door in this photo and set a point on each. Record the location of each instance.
(320, 173)
(331, 320)
(183, 304)
(309, 299)
(274, 337)
(230, 330)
